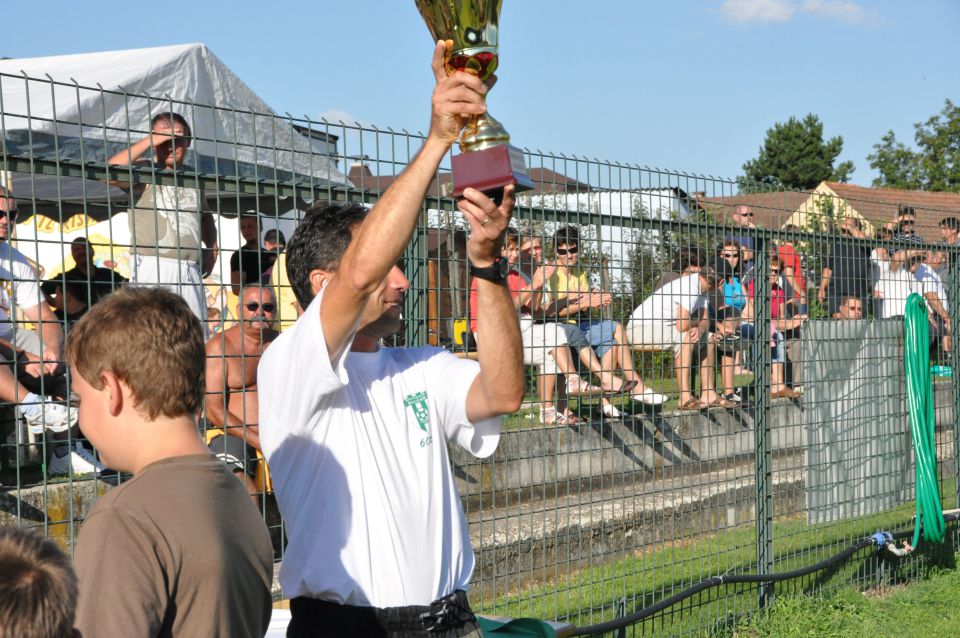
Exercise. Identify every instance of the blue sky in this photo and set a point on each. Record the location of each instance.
(687, 85)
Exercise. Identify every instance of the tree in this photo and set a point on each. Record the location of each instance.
(934, 166)
(794, 155)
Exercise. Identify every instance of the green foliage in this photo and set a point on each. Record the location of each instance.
(794, 155)
(934, 166)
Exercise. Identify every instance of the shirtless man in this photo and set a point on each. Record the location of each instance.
(232, 359)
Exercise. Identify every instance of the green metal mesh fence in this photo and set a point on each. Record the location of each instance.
(766, 428)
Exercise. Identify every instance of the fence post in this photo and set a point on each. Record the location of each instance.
(761, 382)
(414, 317)
(953, 299)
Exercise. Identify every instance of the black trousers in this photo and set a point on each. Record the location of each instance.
(449, 617)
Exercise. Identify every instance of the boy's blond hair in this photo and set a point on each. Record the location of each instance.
(38, 587)
(150, 340)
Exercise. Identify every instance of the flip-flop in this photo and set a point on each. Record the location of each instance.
(691, 404)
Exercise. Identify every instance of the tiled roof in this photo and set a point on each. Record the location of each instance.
(771, 209)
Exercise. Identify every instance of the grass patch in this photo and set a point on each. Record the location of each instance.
(928, 607)
(598, 593)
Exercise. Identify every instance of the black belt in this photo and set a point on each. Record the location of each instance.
(312, 617)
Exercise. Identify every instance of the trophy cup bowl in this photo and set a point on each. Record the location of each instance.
(488, 162)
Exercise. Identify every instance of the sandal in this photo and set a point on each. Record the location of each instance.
(625, 386)
(577, 387)
(570, 418)
(690, 404)
(550, 416)
(720, 402)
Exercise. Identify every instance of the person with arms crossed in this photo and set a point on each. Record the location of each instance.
(356, 434)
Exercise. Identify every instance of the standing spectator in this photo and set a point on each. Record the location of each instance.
(231, 400)
(743, 216)
(83, 285)
(179, 549)
(779, 324)
(892, 282)
(169, 225)
(274, 241)
(356, 435)
(847, 272)
(571, 288)
(675, 317)
(248, 264)
(288, 310)
(795, 283)
(931, 287)
(38, 587)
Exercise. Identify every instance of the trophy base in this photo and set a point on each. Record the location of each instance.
(490, 170)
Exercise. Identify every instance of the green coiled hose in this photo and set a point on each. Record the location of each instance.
(916, 360)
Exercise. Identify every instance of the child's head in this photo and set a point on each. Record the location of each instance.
(137, 355)
(38, 588)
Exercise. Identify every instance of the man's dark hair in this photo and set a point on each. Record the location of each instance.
(274, 236)
(318, 243)
(950, 222)
(170, 118)
(906, 210)
(915, 259)
(38, 587)
(511, 235)
(566, 236)
(688, 256)
(727, 312)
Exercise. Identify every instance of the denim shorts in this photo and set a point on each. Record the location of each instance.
(599, 334)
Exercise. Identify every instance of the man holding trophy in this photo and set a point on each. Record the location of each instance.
(356, 434)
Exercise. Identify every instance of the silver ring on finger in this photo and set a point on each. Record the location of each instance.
(485, 221)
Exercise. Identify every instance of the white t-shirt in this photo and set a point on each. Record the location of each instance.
(929, 281)
(165, 222)
(662, 305)
(18, 287)
(894, 287)
(358, 455)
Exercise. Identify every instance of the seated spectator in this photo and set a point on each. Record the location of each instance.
(850, 308)
(73, 292)
(577, 300)
(729, 347)
(248, 264)
(930, 286)
(544, 344)
(231, 400)
(38, 587)
(779, 324)
(275, 243)
(892, 283)
(728, 269)
(36, 356)
(675, 317)
(544, 311)
(179, 549)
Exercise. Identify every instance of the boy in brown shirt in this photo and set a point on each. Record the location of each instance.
(178, 550)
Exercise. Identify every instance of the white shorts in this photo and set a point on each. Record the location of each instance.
(179, 277)
(661, 334)
(539, 342)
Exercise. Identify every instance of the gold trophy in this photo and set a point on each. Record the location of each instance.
(488, 162)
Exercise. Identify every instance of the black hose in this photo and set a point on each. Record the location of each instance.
(732, 579)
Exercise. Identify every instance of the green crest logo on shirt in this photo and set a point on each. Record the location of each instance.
(418, 401)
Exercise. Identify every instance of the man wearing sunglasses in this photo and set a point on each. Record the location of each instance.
(232, 405)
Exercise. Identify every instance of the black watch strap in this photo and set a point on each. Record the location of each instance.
(495, 272)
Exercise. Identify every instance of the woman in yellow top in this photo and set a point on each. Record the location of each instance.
(574, 299)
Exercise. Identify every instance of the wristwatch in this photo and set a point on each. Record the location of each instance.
(495, 272)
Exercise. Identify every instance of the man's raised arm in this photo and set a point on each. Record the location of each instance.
(382, 237)
(498, 389)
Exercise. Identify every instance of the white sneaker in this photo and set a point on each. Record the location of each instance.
(611, 411)
(78, 461)
(649, 397)
(51, 416)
